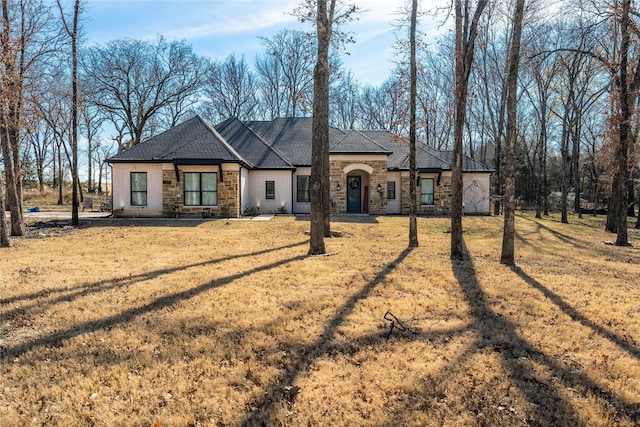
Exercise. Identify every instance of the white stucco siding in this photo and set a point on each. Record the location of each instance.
(477, 193)
(244, 189)
(122, 189)
(394, 206)
(299, 207)
(257, 191)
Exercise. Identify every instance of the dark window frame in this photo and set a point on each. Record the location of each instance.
(134, 199)
(200, 192)
(426, 196)
(391, 190)
(270, 190)
(302, 191)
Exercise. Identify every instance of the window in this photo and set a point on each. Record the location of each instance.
(391, 190)
(271, 190)
(200, 189)
(303, 188)
(138, 189)
(426, 191)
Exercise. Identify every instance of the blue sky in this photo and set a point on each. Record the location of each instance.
(218, 28)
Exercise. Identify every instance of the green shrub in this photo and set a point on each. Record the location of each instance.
(225, 212)
(251, 211)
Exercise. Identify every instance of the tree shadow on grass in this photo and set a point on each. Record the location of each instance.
(126, 316)
(264, 408)
(566, 239)
(549, 407)
(347, 218)
(85, 289)
(575, 315)
(563, 237)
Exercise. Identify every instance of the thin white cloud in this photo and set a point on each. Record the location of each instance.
(227, 26)
(217, 28)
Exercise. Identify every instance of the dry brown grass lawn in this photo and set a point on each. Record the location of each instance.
(230, 323)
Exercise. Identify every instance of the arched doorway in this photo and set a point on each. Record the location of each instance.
(358, 178)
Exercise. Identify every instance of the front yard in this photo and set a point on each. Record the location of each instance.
(229, 323)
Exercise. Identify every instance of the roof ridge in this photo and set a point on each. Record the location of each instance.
(435, 153)
(176, 148)
(386, 149)
(265, 142)
(223, 140)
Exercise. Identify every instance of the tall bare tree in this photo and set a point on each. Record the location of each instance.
(286, 70)
(134, 80)
(508, 237)
(72, 32)
(91, 125)
(466, 30)
(25, 37)
(627, 87)
(38, 135)
(230, 90)
(343, 110)
(384, 107)
(328, 16)
(413, 88)
(435, 93)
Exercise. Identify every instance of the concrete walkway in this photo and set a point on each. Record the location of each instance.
(65, 215)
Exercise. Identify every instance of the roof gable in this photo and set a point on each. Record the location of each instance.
(356, 142)
(192, 139)
(251, 146)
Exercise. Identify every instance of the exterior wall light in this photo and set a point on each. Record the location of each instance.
(338, 187)
(379, 187)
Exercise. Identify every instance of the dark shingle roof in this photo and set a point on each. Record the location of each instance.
(468, 164)
(283, 143)
(291, 137)
(192, 139)
(426, 158)
(356, 142)
(251, 146)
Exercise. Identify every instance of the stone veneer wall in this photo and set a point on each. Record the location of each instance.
(377, 204)
(441, 197)
(173, 197)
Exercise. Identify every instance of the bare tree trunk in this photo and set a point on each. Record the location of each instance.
(466, 32)
(631, 200)
(9, 125)
(326, 186)
(17, 228)
(508, 237)
(576, 164)
(564, 184)
(54, 166)
(100, 166)
(624, 127)
(89, 166)
(413, 221)
(545, 182)
(72, 31)
(74, 114)
(320, 131)
(60, 176)
(4, 234)
(541, 151)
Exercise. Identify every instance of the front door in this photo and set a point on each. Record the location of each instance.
(354, 194)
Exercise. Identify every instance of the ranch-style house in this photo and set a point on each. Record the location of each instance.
(238, 168)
